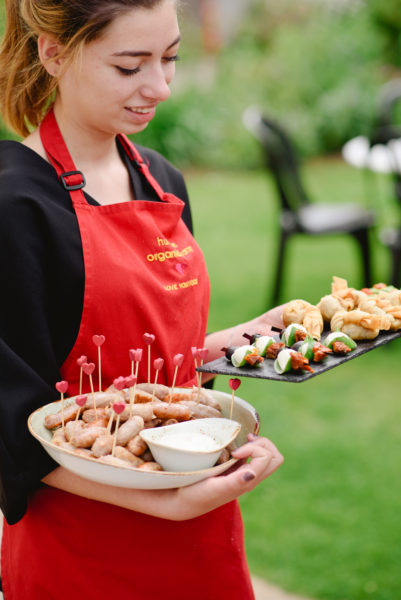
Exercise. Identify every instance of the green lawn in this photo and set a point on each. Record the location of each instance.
(328, 524)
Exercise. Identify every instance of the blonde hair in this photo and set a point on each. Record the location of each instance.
(26, 88)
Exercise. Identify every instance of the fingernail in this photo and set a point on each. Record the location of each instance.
(248, 476)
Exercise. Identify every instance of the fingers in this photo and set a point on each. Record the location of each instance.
(255, 446)
(273, 317)
(216, 491)
(264, 455)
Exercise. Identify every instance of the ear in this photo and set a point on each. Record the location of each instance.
(50, 54)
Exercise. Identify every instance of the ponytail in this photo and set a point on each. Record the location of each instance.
(25, 85)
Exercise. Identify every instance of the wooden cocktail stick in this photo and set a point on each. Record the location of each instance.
(118, 408)
(81, 360)
(203, 354)
(148, 338)
(234, 385)
(158, 364)
(130, 384)
(88, 369)
(177, 360)
(62, 387)
(135, 358)
(99, 340)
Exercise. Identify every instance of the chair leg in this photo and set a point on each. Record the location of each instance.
(395, 277)
(362, 237)
(278, 278)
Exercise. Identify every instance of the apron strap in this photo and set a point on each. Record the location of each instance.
(135, 156)
(53, 142)
(72, 179)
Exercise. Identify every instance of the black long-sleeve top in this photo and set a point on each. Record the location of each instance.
(41, 299)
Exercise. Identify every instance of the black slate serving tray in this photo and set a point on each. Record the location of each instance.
(222, 366)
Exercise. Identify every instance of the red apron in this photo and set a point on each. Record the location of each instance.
(143, 273)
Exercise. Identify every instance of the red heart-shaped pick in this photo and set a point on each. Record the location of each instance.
(81, 360)
(203, 353)
(88, 368)
(119, 383)
(81, 400)
(130, 381)
(194, 351)
(119, 407)
(178, 359)
(148, 338)
(98, 340)
(136, 355)
(62, 386)
(234, 384)
(158, 364)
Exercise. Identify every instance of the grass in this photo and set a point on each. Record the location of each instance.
(327, 525)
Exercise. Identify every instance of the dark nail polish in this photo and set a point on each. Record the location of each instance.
(248, 476)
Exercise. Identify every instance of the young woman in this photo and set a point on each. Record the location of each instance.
(86, 222)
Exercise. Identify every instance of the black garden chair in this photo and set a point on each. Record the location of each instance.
(298, 214)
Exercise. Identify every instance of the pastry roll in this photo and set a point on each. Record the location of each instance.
(350, 297)
(359, 325)
(394, 297)
(294, 311)
(303, 313)
(329, 305)
(338, 285)
(392, 312)
(313, 322)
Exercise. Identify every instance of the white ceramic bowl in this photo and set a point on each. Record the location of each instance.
(121, 476)
(191, 445)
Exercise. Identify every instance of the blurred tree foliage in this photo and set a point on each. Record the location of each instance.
(387, 16)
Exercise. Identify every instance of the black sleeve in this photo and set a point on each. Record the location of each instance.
(28, 362)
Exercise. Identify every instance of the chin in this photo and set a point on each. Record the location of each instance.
(133, 129)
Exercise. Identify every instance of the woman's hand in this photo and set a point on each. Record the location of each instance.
(267, 320)
(234, 336)
(202, 497)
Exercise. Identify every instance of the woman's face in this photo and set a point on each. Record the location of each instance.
(121, 77)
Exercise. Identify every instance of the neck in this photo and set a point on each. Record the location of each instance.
(86, 146)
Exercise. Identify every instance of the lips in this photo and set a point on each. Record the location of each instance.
(140, 114)
(142, 110)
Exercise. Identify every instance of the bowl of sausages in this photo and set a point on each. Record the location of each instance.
(95, 443)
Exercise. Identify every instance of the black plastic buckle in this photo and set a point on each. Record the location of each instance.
(69, 187)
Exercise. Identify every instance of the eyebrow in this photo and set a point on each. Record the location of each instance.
(143, 52)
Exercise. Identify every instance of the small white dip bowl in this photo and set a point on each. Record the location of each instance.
(191, 445)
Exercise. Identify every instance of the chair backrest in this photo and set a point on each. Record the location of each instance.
(280, 158)
(386, 128)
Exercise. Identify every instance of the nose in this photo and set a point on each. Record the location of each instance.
(156, 86)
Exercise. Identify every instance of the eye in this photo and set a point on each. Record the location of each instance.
(171, 58)
(128, 72)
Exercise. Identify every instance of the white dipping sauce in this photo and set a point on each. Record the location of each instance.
(190, 441)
